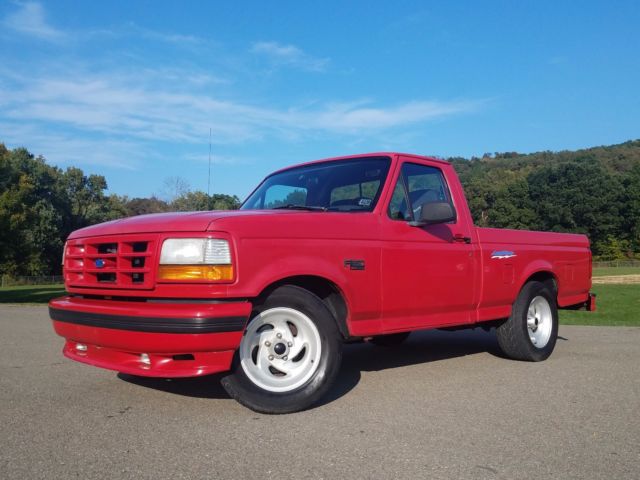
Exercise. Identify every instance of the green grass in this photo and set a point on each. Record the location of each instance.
(30, 293)
(604, 271)
(616, 305)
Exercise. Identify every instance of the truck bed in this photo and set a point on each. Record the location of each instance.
(509, 257)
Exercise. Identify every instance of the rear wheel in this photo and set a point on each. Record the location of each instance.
(531, 331)
(390, 340)
(289, 355)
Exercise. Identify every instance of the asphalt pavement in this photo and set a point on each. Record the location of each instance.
(444, 405)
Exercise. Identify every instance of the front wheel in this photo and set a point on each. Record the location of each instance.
(531, 331)
(289, 355)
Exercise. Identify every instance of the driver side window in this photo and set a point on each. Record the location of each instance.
(417, 185)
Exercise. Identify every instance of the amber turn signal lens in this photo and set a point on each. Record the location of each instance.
(211, 273)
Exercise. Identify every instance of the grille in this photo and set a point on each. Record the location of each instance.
(100, 262)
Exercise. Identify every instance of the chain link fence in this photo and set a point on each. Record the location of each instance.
(10, 281)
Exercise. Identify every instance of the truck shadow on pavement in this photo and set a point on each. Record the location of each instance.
(421, 347)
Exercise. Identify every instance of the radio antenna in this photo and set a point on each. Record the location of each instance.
(209, 176)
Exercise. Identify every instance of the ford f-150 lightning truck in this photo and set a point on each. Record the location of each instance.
(366, 247)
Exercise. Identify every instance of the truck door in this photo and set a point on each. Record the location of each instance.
(428, 272)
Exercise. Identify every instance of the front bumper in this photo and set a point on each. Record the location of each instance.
(151, 338)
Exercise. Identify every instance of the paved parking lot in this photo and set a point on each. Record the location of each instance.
(442, 406)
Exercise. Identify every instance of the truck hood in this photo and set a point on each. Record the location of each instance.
(167, 222)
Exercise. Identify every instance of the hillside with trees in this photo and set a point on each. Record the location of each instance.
(40, 205)
(594, 191)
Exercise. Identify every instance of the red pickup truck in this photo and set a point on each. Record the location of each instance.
(363, 247)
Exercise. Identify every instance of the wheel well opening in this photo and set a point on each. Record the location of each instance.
(545, 277)
(324, 289)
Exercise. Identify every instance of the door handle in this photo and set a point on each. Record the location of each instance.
(458, 237)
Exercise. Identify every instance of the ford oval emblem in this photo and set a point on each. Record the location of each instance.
(99, 263)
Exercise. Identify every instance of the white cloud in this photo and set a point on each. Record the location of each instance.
(122, 105)
(118, 117)
(67, 150)
(30, 20)
(289, 55)
(166, 37)
(216, 159)
(352, 118)
(139, 109)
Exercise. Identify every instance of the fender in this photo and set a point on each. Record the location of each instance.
(537, 266)
(359, 292)
(299, 265)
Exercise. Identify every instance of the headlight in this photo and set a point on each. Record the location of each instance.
(207, 259)
(195, 251)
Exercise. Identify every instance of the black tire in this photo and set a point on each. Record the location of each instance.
(243, 389)
(514, 336)
(390, 340)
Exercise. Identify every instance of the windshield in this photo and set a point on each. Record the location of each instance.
(338, 186)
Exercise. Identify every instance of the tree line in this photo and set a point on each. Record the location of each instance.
(594, 191)
(40, 205)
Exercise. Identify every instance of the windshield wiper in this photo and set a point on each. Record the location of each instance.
(291, 206)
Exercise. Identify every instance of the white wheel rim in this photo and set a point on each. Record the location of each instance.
(280, 350)
(539, 322)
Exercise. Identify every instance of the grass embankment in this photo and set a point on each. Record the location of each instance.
(30, 294)
(616, 305)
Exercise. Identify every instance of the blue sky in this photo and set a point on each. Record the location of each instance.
(130, 90)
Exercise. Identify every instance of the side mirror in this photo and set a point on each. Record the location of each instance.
(434, 212)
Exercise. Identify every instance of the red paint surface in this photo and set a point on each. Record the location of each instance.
(415, 277)
(160, 365)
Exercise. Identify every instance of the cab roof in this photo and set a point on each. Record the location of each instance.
(392, 155)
